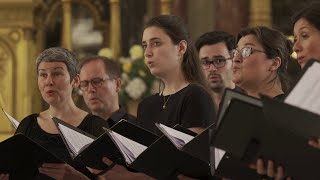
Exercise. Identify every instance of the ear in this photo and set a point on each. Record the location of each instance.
(118, 84)
(276, 63)
(76, 81)
(182, 47)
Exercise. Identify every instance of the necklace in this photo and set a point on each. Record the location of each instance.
(165, 101)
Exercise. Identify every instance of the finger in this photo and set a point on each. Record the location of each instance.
(48, 173)
(53, 165)
(260, 166)
(270, 169)
(94, 171)
(107, 161)
(280, 173)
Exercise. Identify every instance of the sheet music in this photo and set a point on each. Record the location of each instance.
(305, 93)
(14, 122)
(178, 137)
(218, 155)
(128, 147)
(74, 139)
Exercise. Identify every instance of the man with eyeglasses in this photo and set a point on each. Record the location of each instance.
(100, 84)
(216, 59)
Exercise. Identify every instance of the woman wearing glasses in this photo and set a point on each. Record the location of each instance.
(260, 62)
(260, 67)
(57, 70)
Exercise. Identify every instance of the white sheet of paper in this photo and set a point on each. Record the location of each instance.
(218, 155)
(75, 140)
(305, 94)
(128, 147)
(177, 135)
(14, 122)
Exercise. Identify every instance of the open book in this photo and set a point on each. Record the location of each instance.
(13, 121)
(178, 138)
(305, 93)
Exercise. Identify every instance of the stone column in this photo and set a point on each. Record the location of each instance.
(115, 29)
(66, 26)
(165, 7)
(231, 15)
(260, 13)
(179, 8)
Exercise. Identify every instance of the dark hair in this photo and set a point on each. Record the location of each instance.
(111, 67)
(215, 37)
(59, 54)
(174, 27)
(311, 13)
(275, 44)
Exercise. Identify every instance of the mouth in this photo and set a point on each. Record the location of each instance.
(300, 59)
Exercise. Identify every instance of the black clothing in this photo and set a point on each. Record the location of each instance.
(53, 142)
(120, 114)
(192, 106)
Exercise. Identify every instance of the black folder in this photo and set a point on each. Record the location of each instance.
(195, 157)
(21, 157)
(292, 128)
(240, 122)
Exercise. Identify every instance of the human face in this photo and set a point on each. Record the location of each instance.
(54, 82)
(218, 77)
(253, 70)
(307, 41)
(100, 99)
(161, 55)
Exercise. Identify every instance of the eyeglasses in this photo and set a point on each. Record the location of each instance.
(217, 62)
(96, 83)
(244, 52)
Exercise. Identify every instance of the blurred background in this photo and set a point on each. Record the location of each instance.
(108, 27)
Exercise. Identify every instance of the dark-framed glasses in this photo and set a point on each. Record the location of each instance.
(217, 62)
(95, 82)
(245, 52)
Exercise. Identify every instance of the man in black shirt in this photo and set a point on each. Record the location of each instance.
(100, 84)
(214, 50)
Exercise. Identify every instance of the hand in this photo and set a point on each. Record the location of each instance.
(4, 176)
(61, 171)
(270, 172)
(118, 172)
(314, 143)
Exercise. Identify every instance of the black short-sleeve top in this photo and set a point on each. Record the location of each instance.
(53, 142)
(192, 106)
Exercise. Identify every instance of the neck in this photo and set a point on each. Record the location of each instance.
(173, 85)
(64, 111)
(270, 89)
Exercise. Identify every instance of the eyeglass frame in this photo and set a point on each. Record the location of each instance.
(213, 62)
(235, 52)
(93, 84)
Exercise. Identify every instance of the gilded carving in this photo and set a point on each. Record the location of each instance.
(14, 36)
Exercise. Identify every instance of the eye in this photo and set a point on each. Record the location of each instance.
(96, 81)
(220, 60)
(144, 46)
(246, 51)
(156, 43)
(43, 75)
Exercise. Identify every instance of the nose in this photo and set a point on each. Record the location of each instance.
(49, 80)
(297, 46)
(91, 88)
(147, 52)
(237, 58)
(212, 67)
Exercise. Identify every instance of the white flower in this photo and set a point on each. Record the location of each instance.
(123, 60)
(106, 52)
(135, 88)
(136, 52)
(124, 78)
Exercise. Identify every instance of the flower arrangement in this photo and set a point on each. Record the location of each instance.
(137, 81)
